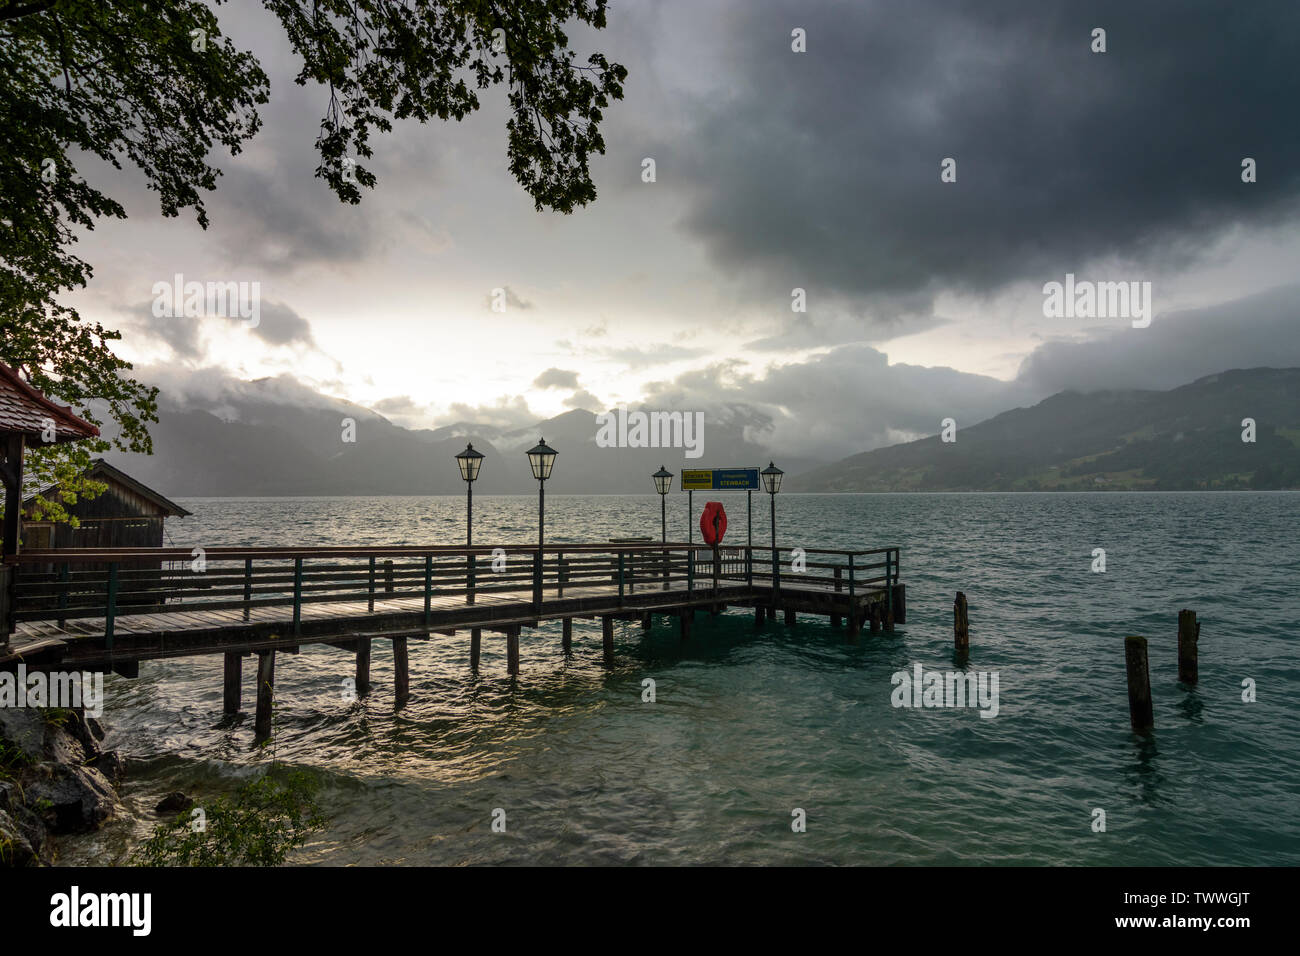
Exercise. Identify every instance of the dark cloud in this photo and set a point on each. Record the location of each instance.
(556, 378)
(822, 169)
(281, 325)
(179, 333)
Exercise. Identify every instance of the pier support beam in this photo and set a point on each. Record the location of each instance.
(363, 666)
(231, 687)
(874, 618)
(512, 650)
(1189, 634)
(475, 645)
(686, 617)
(265, 695)
(566, 636)
(760, 614)
(607, 639)
(960, 624)
(855, 622)
(647, 621)
(1139, 684)
(401, 673)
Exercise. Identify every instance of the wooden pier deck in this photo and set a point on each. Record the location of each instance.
(108, 610)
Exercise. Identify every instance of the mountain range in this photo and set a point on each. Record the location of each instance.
(259, 440)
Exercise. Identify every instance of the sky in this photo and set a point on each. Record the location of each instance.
(775, 171)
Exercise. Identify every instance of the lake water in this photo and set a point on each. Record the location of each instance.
(750, 724)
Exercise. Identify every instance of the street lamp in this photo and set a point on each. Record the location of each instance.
(772, 476)
(470, 461)
(541, 459)
(663, 482)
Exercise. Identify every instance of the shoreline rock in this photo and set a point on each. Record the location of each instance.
(54, 779)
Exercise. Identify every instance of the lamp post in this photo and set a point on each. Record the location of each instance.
(772, 476)
(470, 461)
(663, 482)
(541, 459)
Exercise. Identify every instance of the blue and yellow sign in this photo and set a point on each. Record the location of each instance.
(719, 479)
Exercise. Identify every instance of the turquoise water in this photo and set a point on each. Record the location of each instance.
(750, 724)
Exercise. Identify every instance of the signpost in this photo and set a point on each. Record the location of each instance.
(720, 479)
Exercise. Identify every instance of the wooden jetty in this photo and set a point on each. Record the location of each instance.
(96, 609)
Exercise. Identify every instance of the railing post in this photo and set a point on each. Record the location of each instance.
(428, 589)
(110, 609)
(851, 576)
(248, 586)
(690, 570)
(370, 593)
(559, 574)
(471, 569)
(776, 573)
(297, 596)
(63, 592)
(889, 589)
(749, 566)
(620, 577)
(537, 581)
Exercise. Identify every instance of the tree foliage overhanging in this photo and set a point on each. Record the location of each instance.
(158, 86)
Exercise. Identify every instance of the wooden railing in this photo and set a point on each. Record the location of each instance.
(67, 584)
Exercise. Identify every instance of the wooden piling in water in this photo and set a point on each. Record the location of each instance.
(1189, 635)
(363, 666)
(401, 672)
(607, 639)
(231, 687)
(960, 624)
(873, 615)
(760, 614)
(1139, 684)
(265, 695)
(855, 623)
(512, 650)
(475, 645)
(647, 622)
(566, 638)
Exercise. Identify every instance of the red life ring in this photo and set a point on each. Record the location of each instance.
(713, 523)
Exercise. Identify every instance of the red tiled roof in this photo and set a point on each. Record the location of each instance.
(23, 409)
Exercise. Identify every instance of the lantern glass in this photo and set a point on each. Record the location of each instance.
(470, 461)
(542, 459)
(772, 476)
(663, 480)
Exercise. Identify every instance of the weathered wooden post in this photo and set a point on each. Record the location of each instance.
(647, 622)
(607, 639)
(363, 666)
(512, 650)
(475, 644)
(1189, 635)
(265, 694)
(231, 688)
(388, 576)
(960, 624)
(760, 614)
(566, 639)
(1139, 684)
(401, 672)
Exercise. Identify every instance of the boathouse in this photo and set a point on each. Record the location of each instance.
(127, 514)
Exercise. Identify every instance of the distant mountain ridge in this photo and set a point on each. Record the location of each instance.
(1188, 438)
